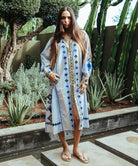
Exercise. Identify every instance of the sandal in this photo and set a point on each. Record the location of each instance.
(66, 156)
(82, 158)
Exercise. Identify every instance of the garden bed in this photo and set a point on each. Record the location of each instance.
(40, 108)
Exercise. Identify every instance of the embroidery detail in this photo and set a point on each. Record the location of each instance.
(48, 73)
(53, 124)
(85, 80)
(72, 77)
(89, 66)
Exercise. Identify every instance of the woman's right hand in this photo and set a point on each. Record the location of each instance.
(53, 77)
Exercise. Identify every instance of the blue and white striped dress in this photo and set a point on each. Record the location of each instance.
(71, 69)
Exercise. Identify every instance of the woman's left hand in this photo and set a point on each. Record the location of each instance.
(83, 88)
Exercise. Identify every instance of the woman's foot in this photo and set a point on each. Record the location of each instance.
(66, 155)
(80, 156)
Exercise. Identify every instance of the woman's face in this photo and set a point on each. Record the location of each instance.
(66, 19)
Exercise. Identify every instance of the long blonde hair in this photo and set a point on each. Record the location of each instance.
(76, 34)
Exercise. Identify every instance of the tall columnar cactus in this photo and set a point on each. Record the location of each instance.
(119, 28)
(127, 41)
(101, 28)
(89, 27)
(134, 87)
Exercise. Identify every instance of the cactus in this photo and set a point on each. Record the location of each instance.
(101, 28)
(116, 3)
(119, 28)
(134, 87)
(89, 27)
(127, 42)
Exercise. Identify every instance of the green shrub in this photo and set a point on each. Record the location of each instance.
(30, 81)
(7, 87)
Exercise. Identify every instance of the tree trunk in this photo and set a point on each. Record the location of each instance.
(8, 53)
(11, 48)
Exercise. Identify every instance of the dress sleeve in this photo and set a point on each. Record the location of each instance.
(87, 62)
(46, 60)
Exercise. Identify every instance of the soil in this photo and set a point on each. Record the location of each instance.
(40, 108)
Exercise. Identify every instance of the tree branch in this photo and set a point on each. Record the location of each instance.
(30, 35)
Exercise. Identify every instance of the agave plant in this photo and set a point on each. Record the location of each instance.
(114, 86)
(95, 91)
(95, 98)
(18, 109)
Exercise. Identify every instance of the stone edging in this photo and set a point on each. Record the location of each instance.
(33, 136)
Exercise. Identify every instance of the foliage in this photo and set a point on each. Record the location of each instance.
(127, 41)
(18, 109)
(3, 113)
(1, 98)
(7, 87)
(49, 9)
(18, 11)
(95, 91)
(119, 28)
(30, 81)
(4, 29)
(30, 26)
(113, 86)
(50, 29)
(27, 82)
(16, 14)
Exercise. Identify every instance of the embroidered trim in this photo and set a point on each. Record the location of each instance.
(48, 73)
(85, 80)
(72, 77)
(53, 124)
(85, 118)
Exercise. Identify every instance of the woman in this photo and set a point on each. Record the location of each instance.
(66, 61)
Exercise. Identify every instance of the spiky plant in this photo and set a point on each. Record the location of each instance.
(95, 98)
(95, 91)
(113, 86)
(18, 109)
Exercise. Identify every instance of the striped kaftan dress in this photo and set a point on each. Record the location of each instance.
(72, 70)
